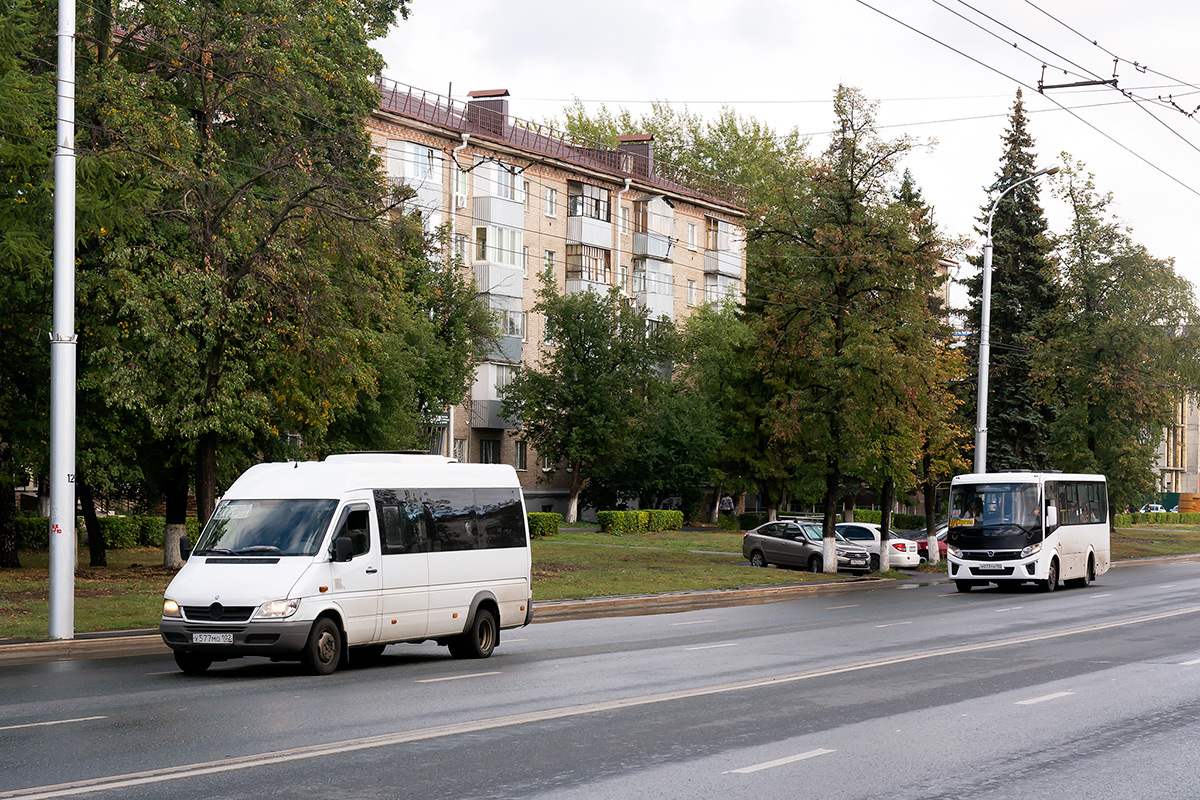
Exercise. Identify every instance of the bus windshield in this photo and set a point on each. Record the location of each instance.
(266, 528)
(996, 509)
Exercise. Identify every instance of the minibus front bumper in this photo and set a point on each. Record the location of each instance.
(274, 638)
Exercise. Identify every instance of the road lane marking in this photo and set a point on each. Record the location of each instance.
(51, 722)
(692, 622)
(1010, 608)
(779, 762)
(894, 624)
(457, 677)
(1168, 586)
(832, 608)
(510, 641)
(1044, 698)
(1098, 596)
(910, 586)
(713, 646)
(217, 766)
(1191, 663)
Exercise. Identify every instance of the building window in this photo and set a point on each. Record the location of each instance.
(525, 261)
(587, 263)
(624, 219)
(520, 457)
(549, 259)
(691, 293)
(718, 233)
(505, 373)
(489, 451)
(691, 236)
(460, 247)
(546, 465)
(626, 285)
(499, 245)
(460, 450)
(525, 196)
(512, 323)
(460, 188)
(551, 202)
(585, 200)
(421, 158)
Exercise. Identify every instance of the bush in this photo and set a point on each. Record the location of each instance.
(727, 522)
(662, 519)
(542, 524)
(1123, 520)
(620, 522)
(869, 515)
(33, 533)
(751, 520)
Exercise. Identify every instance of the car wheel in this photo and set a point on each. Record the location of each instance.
(323, 651)
(874, 563)
(191, 663)
(816, 564)
(480, 639)
(1051, 582)
(963, 586)
(757, 559)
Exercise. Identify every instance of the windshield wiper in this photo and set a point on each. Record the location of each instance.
(225, 551)
(258, 548)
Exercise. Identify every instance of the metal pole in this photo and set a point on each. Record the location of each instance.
(62, 344)
(985, 324)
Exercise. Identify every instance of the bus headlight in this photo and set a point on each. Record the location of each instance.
(951, 550)
(1033, 549)
(171, 609)
(277, 609)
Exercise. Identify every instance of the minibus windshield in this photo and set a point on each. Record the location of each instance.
(266, 527)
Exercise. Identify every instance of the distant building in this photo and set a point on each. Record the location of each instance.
(518, 196)
(1179, 453)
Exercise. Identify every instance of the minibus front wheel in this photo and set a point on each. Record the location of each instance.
(323, 651)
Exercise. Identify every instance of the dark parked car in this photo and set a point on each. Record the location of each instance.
(921, 537)
(799, 544)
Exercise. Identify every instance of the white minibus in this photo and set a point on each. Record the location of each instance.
(1016, 527)
(326, 561)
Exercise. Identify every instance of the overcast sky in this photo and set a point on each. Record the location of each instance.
(781, 61)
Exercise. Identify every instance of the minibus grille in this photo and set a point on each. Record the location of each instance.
(218, 613)
(992, 555)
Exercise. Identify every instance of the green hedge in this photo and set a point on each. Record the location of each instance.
(542, 524)
(728, 522)
(751, 519)
(655, 519)
(1157, 518)
(900, 522)
(33, 533)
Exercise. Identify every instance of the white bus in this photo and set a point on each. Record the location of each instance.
(1018, 527)
(324, 561)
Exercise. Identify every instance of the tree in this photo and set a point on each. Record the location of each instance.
(846, 330)
(1124, 349)
(581, 404)
(1024, 293)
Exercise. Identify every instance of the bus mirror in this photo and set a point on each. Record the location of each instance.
(1051, 517)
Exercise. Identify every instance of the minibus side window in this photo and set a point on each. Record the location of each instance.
(356, 527)
(454, 525)
(499, 513)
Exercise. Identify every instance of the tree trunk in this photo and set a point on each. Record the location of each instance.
(935, 555)
(885, 524)
(97, 555)
(828, 543)
(573, 497)
(177, 496)
(850, 503)
(43, 496)
(206, 477)
(8, 517)
(715, 516)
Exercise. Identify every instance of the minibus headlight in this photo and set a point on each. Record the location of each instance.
(1033, 549)
(277, 609)
(951, 550)
(171, 609)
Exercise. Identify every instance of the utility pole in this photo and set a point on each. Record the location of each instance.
(63, 344)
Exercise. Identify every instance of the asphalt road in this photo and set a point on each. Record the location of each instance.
(893, 692)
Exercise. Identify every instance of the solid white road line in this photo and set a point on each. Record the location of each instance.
(713, 646)
(52, 722)
(223, 765)
(457, 677)
(1044, 698)
(779, 762)
(1191, 663)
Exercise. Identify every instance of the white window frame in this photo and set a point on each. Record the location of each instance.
(521, 456)
(551, 201)
(691, 236)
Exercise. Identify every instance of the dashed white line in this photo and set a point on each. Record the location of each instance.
(692, 622)
(833, 608)
(457, 677)
(1191, 663)
(1044, 698)
(1098, 596)
(910, 586)
(713, 646)
(1167, 586)
(779, 762)
(894, 624)
(1010, 608)
(51, 722)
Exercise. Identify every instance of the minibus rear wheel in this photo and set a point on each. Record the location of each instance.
(479, 640)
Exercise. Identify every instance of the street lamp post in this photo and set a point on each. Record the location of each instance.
(985, 322)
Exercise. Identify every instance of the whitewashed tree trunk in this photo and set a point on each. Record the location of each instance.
(935, 555)
(829, 554)
(171, 536)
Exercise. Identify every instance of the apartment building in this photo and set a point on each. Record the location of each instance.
(516, 196)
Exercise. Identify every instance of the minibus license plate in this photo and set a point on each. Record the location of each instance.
(212, 638)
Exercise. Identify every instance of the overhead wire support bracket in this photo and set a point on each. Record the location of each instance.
(1042, 86)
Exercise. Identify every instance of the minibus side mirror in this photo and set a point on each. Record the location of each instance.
(343, 549)
(1051, 517)
(185, 547)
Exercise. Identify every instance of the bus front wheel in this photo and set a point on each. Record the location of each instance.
(1051, 582)
(963, 586)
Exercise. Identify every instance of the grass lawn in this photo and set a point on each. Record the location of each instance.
(575, 564)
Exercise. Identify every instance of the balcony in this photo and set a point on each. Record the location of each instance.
(594, 232)
(508, 348)
(652, 245)
(575, 285)
(723, 262)
(499, 211)
(489, 414)
(657, 306)
(499, 280)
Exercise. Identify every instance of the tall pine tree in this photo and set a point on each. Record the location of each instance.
(1020, 415)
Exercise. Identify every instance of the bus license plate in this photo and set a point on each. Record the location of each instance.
(985, 567)
(212, 638)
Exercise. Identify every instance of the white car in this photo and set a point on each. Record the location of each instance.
(903, 552)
